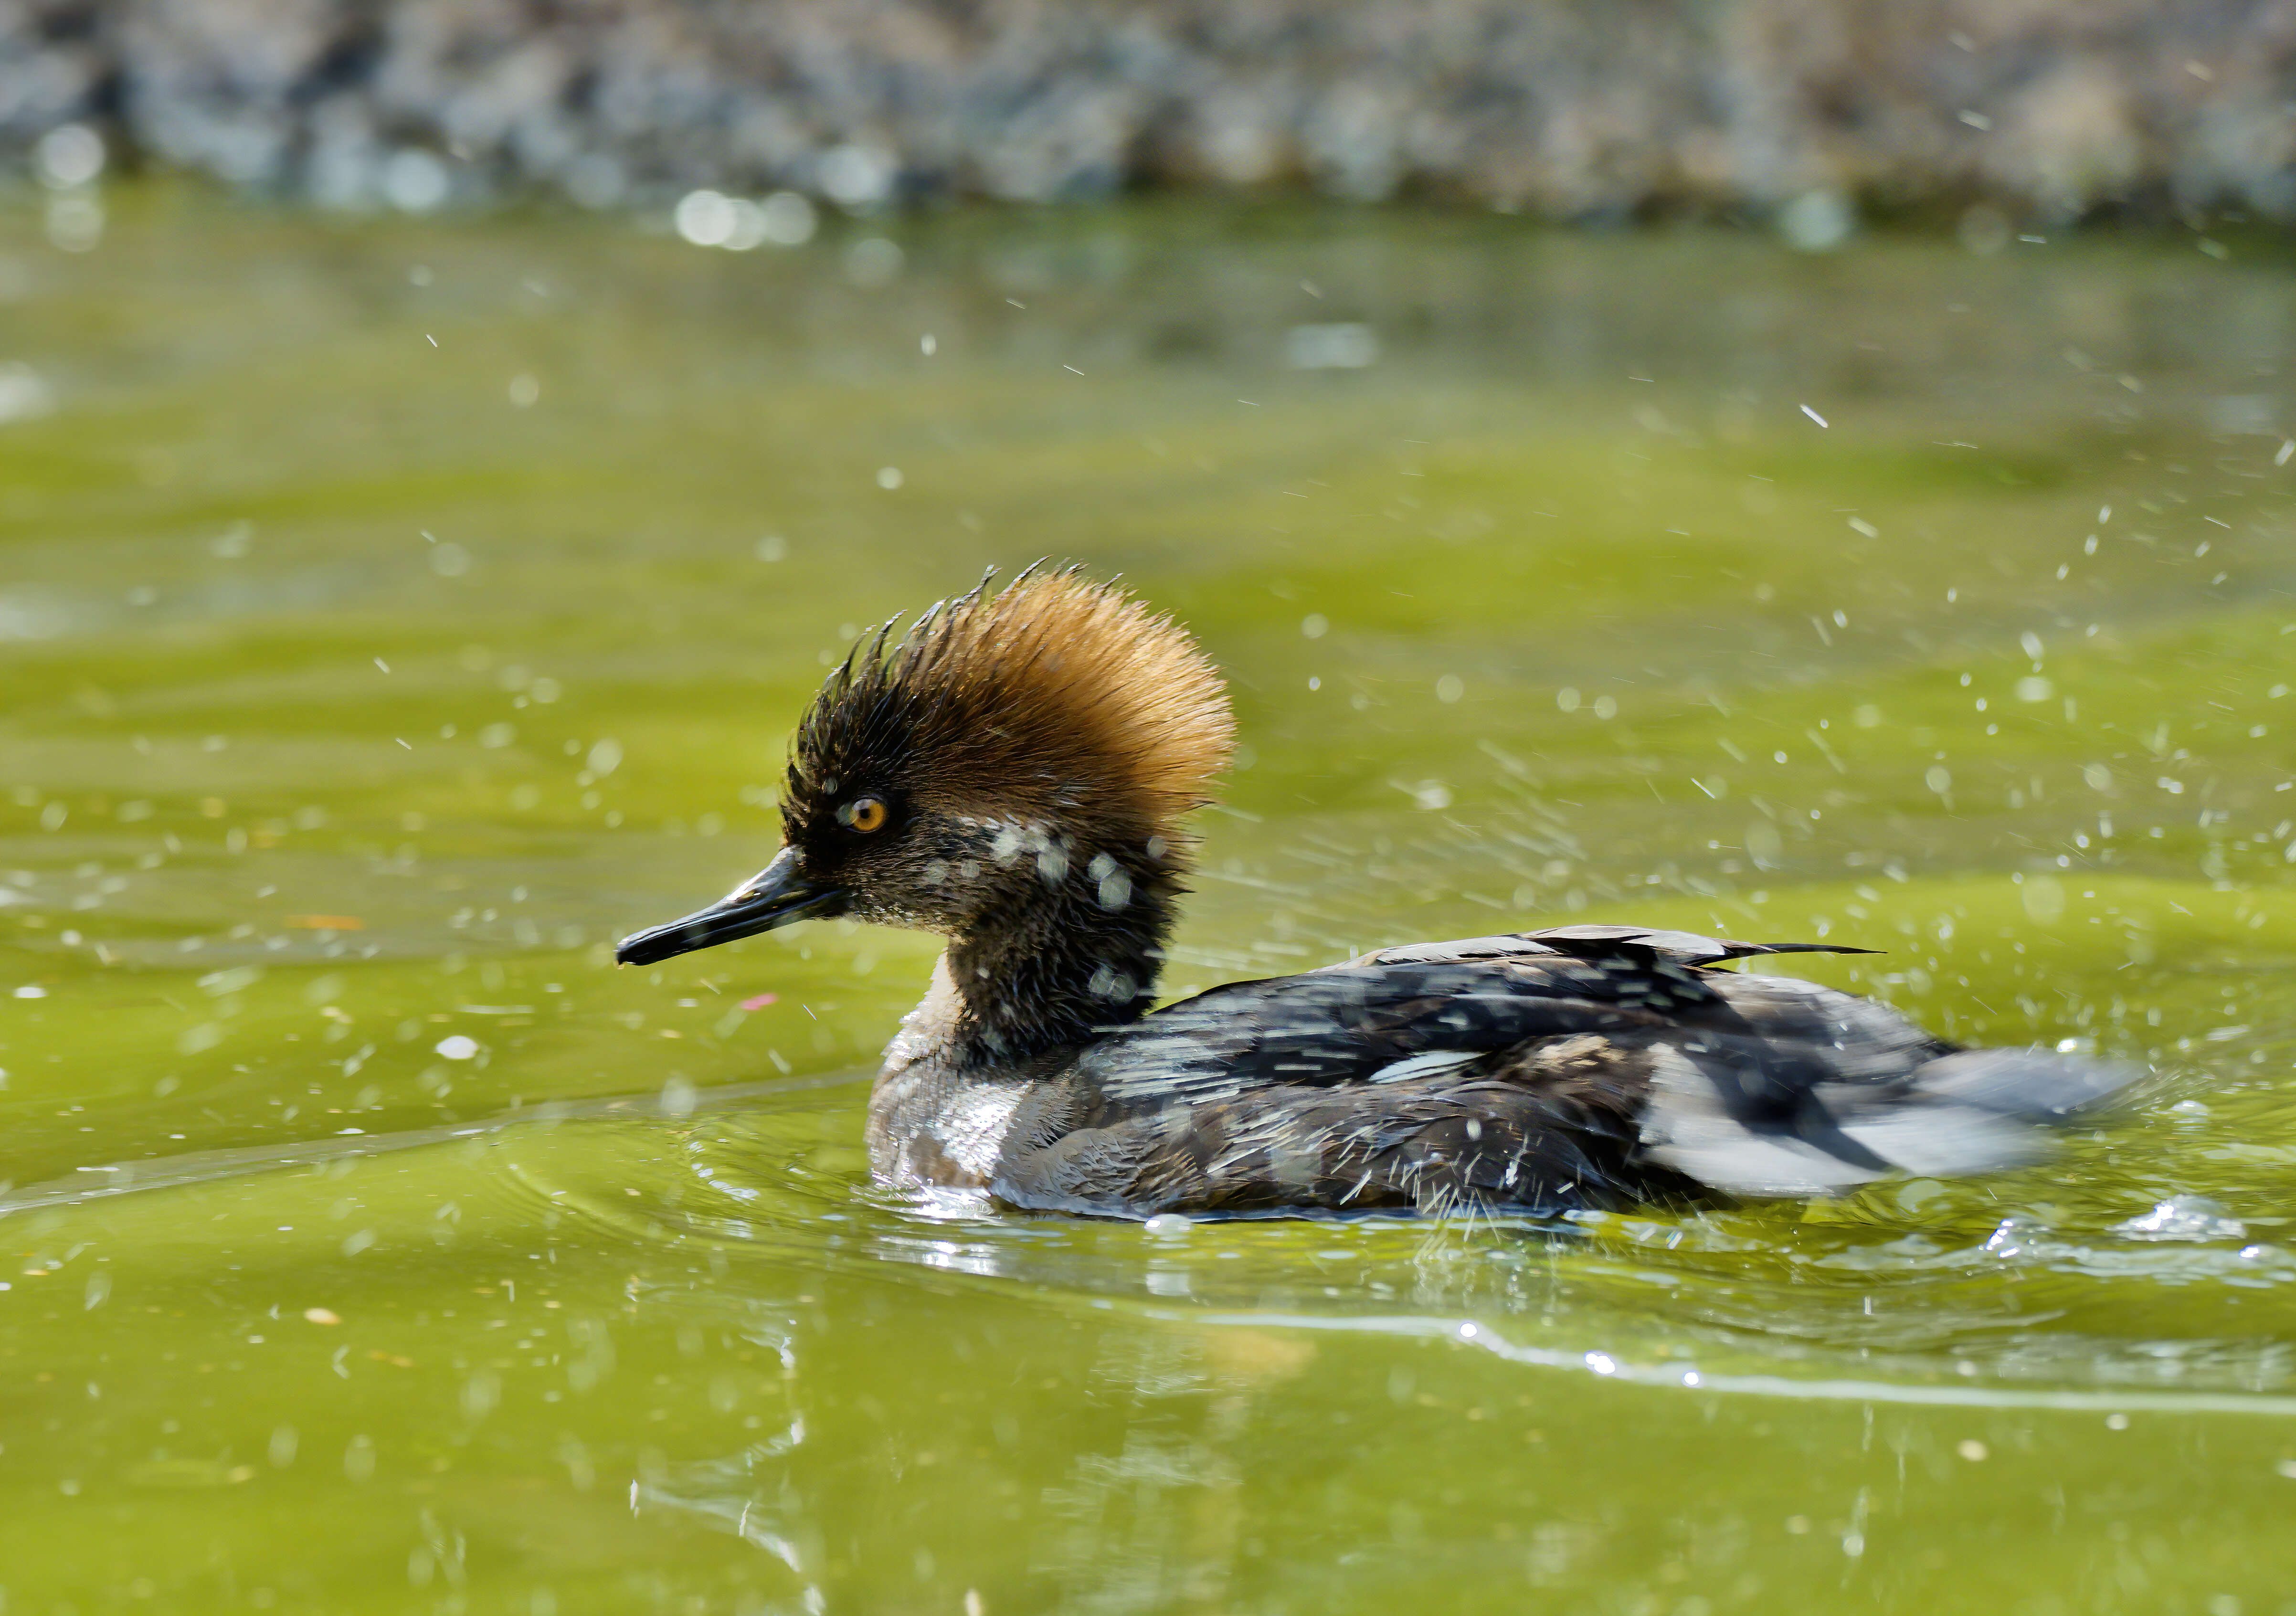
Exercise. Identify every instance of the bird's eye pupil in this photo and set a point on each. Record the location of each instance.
(865, 814)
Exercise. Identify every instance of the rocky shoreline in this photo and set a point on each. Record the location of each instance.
(1575, 109)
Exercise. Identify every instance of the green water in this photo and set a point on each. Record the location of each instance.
(393, 614)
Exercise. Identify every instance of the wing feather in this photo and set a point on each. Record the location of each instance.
(1587, 1065)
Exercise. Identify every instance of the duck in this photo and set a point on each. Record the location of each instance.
(1016, 771)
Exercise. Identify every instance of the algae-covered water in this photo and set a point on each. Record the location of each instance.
(393, 614)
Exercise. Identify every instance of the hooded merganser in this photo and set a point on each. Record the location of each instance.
(1012, 772)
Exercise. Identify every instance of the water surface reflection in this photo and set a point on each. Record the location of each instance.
(377, 1246)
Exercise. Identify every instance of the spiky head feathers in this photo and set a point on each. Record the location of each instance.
(1058, 709)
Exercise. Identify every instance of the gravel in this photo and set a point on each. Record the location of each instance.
(1812, 111)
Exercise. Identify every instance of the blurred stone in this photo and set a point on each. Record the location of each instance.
(707, 218)
(415, 182)
(1817, 221)
(856, 177)
(1802, 109)
(68, 156)
(786, 219)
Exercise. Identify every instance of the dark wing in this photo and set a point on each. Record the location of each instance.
(1588, 1067)
(1373, 1022)
(1593, 942)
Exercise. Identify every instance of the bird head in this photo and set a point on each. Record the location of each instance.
(1015, 751)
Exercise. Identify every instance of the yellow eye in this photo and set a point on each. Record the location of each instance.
(864, 814)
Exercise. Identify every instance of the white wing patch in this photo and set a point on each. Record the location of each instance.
(1433, 1063)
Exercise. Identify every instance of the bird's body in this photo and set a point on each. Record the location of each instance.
(1011, 774)
(1547, 1071)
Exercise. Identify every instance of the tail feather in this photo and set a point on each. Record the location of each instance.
(1798, 1133)
(2031, 1084)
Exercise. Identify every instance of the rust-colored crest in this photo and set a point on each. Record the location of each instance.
(1056, 693)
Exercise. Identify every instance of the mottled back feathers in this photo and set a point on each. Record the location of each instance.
(1585, 1067)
